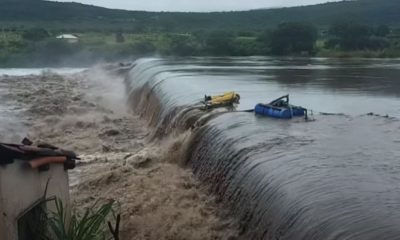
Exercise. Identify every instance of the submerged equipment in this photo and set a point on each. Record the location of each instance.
(226, 99)
(280, 108)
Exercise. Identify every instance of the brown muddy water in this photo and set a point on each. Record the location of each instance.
(333, 178)
(86, 112)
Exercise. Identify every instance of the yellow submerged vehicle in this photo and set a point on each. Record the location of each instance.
(226, 99)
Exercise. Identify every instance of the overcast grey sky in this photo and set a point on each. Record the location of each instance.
(195, 5)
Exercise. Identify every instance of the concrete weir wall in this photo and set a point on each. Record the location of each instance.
(22, 187)
(334, 178)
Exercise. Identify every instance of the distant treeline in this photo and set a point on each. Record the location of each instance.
(78, 17)
(28, 30)
(39, 46)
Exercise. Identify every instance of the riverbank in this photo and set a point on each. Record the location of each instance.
(394, 53)
(86, 112)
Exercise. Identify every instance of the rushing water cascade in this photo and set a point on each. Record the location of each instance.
(333, 178)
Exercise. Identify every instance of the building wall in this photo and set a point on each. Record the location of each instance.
(21, 187)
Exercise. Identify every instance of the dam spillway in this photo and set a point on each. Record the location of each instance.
(333, 178)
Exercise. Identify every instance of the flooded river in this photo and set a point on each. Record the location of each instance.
(334, 178)
(11, 126)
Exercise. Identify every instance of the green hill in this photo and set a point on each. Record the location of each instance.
(86, 17)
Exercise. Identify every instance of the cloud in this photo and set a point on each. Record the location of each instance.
(196, 5)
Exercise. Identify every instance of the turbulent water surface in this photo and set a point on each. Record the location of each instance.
(37, 71)
(333, 178)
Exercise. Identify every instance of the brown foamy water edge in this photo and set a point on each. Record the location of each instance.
(86, 112)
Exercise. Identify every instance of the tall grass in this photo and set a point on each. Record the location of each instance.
(91, 226)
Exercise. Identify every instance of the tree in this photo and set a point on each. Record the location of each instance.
(353, 36)
(181, 45)
(264, 41)
(35, 34)
(377, 43)
(382, 31)
(350, 36)
(291, 38)
(219, 43)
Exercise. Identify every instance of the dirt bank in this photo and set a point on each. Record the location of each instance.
(86, 113)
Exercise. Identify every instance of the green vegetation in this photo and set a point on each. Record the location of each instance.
(98, 222)
(293, 38)
(351, 36)
(38, 47)
(91, 226)
(349, 39)
(75, 17)
(35, 34)
(28, 38)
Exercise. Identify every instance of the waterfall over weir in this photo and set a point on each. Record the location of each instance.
(335, 178)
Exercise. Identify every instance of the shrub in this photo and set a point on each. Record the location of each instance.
(35, 34)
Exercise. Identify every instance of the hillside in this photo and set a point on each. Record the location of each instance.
(84, 17)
